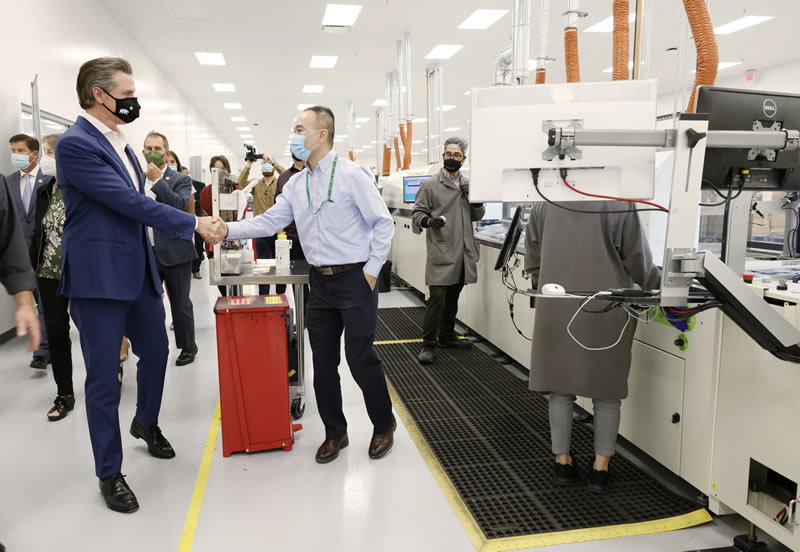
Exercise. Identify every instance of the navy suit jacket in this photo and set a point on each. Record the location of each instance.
(105, 250)
(173, 189)
(26, 219)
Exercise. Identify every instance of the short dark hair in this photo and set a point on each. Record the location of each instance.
(101, 73)
(31, 142)
(221, 158)
(176, 158)
(158, 135)
(325, 119)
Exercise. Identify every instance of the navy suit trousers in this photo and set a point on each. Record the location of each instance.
(102, 323)
(344, 302)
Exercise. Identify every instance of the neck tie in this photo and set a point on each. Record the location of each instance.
(26, 193)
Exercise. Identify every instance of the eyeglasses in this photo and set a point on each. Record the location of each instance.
(456, 156)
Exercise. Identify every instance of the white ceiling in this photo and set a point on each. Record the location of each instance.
(268, 46)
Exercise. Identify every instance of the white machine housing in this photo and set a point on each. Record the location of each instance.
(509, 134)
(392, 186)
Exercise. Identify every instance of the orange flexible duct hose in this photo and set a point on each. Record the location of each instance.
(706, 43)
(403, 135)
(397, 153)
(571, 54)
(409, 134)
(621, 40)
(541, 75)
(387, 160)
(352, 157)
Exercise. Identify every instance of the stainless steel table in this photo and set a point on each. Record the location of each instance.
(297, 274)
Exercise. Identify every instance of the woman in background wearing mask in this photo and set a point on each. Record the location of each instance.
(46, 260)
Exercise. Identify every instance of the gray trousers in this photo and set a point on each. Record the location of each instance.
(606, 424)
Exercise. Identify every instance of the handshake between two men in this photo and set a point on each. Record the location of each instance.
(212, 229)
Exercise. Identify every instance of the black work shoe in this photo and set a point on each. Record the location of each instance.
(39, 363)
(598, 481)
(455, 343)
(187, 356)
(157, 444)
(426, 356)
(565, 475)
(328, 451)
(118, 496)
(61, 407)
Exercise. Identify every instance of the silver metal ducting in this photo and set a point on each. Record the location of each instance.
(521, 40)
(502, 67)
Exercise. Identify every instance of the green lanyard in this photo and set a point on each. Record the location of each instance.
(330, 189)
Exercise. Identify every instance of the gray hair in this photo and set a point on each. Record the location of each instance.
(460, 142)
(99, 73)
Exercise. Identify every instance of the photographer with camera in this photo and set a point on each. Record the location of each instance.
(264, 191)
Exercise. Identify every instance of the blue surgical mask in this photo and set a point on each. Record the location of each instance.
(20, 161)
(298, 146)
(267, 168)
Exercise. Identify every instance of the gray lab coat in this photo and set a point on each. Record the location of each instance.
(452, 247)
(584, 252)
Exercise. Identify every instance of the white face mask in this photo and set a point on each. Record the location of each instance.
(48, 165)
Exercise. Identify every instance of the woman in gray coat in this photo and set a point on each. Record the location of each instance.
(597, 251)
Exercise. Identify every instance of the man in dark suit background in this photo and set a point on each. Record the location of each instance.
(174, 255)
(23, 187)
(109, 271)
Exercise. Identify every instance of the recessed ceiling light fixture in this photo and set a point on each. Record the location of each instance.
(239, 119)
(452, 129)
(303, 107)
(313, 88)
(362, 120)
(444, 51)
(741, 23)
(340, 15)
(420, 120)
(607, 24)
(210, 58)
(223, 86)
(246, 135)
(448, 107)
(482, 19)
(380, 102)
(232, 105)
(323, 62)
(243, 128)
(469, 92)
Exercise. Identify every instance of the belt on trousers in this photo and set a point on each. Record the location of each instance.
(337, 269)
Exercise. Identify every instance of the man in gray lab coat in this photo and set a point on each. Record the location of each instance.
(601, 250)
(443, 208)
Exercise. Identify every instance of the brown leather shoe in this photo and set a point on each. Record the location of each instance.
(381, 443)
(328, 451)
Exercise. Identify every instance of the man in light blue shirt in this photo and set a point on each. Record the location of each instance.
(346, 232)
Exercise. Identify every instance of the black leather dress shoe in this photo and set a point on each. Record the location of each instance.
(118, 496)
(39, 363)
(381, 443)
(328, 451)
(187, 356)
(157, 444)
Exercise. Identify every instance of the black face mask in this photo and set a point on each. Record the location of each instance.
(127, 108)
(451, 165)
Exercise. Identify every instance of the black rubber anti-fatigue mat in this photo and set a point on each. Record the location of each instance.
(395, 324)
(492, 438)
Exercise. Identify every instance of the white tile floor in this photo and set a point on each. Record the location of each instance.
(267, 501)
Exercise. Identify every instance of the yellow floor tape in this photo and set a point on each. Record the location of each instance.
(482, 544)
(190, 525)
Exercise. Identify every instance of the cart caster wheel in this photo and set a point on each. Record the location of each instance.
(298, 408)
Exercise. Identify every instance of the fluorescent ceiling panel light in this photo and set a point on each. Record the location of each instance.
(417, 141)
(232, 105)
(420, 120)
(469, 92)
(243, 129)
(246, 135)
(362, 120)
(223, 86)
(323, 62)
(313, 88)
(238, 119)
(448, 107)
(724, 65)
(210, 58)
(444, 51)
(303, 107)
(358, 126)
(607, 24)
(741, 23)
(611, 69)
(379, 103)
(482, 19)
(341, 15)
(249, 141)
(452, 129)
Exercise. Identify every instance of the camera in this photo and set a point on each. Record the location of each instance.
(251, 154)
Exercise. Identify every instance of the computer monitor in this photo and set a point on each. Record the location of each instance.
(509, 136)
(512, 237)
(734, 109)
(411, 186)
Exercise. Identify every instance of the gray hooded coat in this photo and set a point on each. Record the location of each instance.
(452, 247)
(584, 252)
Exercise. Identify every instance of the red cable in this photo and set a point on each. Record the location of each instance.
(656, 205)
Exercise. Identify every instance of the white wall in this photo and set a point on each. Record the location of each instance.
(53, 38)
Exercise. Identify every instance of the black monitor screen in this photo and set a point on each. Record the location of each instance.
(732, 109)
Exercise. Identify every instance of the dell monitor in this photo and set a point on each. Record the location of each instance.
(760, 169)
(411, 186)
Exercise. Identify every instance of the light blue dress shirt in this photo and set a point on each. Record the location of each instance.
(355, 228)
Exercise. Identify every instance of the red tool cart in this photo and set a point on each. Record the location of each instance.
(253, 359)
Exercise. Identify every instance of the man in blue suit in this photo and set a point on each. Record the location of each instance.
(23, 186)
(174, 255)
(109, 273)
